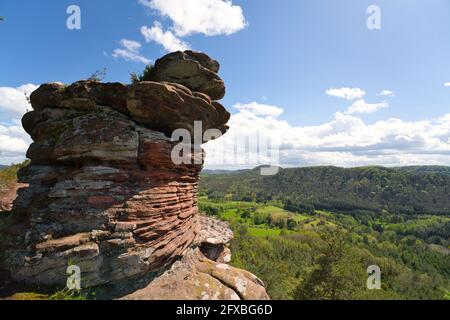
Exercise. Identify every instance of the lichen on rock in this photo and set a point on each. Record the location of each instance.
(103, 193)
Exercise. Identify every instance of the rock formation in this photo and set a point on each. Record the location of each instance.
(104, 194)
(203, 272)
(192, 69)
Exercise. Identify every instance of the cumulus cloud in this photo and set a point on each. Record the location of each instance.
(362, 107)
(447, 84)
(130, 51)
(346, 93)
(386, 93)
(259, 110)
(13, 100)
(209, 17)
(346, 140)
(14, 142)
(131, 45)
(165, 38)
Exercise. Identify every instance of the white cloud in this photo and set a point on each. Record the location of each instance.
(131, 45)
(14, 142)
(447, 84)
(346, 141)
(259, 110)
(209, 17)
(361, 107)
(130, 51)
(346, 93)
(13, 100)
(386, 93)
(166, 38)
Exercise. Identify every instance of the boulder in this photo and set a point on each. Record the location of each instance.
(167, 107)
(195, 277)
(160, 106)
(81, 95)
(194, 70)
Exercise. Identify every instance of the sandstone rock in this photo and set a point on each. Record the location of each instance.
(224, 256)
(86, 137)
(167, 107)
(48, 95)
(197, 278)
(203, 59)
(194, 70)
(214, 231)
(103, 193)
(81, 95)
(162, 107)
(213, 239)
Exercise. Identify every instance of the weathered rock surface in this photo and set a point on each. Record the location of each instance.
(163, 107)
(103, 193)
(168, 106)
(194, 70)
(195, 277)
(214, 238)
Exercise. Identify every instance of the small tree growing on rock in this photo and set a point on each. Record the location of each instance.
(145, 76)
(98, 75)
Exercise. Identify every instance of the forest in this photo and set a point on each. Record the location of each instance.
(321, 228)
(409, 190)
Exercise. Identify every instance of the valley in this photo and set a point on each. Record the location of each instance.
(325, 253)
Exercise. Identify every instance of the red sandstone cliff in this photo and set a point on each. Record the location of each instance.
(104, 194)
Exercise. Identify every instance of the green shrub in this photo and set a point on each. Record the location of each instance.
(8, 175)
(98, 75)
(145, 76)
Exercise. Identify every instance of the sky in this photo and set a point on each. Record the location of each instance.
(332, 82)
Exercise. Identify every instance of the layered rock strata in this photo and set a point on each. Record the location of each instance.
(203, 273)
(103, 191)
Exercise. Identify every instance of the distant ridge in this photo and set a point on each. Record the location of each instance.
(425, 169)
(410, 169)
(220, 171)
(404, 190)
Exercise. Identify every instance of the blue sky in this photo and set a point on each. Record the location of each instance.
(283, 54)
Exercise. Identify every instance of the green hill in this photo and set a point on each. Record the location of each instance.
(320, 228)
(425, 169)
(8, 174)
(409, 190)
